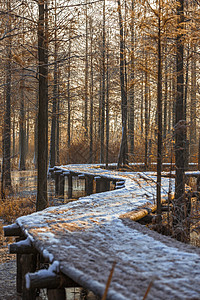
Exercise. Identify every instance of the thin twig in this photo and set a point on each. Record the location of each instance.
(109, 281)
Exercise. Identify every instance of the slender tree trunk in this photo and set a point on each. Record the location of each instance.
(42, 200)
(174, 91)
(142, 105)
(22, 127)
(58, 124)
(193, 114)
(107, 106)
(91, 93)
(100, 100)
(22, 134)
(146, 115)
(102, 131)
(52, 159)
(6, 171)
(27, 132)
(166, 93)
(123, 154)
(36, 141)
(86, 70)
(159, 111)
(180, 129)
(132, 78)
(169, 106)
(13, 129)
(69, 97)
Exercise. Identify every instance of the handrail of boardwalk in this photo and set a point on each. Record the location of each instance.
(82, 240)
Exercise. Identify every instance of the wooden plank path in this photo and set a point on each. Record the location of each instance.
(83, 239)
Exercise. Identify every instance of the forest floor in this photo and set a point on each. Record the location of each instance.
(7, 269)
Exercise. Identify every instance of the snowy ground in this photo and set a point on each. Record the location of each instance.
(87, 236)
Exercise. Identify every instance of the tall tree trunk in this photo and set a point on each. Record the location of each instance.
(13, 135)
(146, 105)
(58, 124)
(42, 200)
(35, 141)
(132, 78)
(193, 114)
(86, 70)
(180, 129)
(159, 112)
(27, 132)
(102, 131)
(52, 154)
(91, 92)
(142, 105)
(22, 121)
(107, 105)
(6, 171)
(166, 92)
(69, 96)
(123, 154)
(22, 133)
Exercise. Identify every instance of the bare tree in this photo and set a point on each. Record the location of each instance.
(42, 199)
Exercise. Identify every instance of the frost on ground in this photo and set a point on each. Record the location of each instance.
(87, 236)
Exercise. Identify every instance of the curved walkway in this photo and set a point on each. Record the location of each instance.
(84, 238)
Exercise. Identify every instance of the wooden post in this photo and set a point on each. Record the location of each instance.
(70, 186)
(102, 184)
(28, 262)
(57, 179)
(88, 185)
(19, 272)
(58, 294)
(107, 185)
(62, 185)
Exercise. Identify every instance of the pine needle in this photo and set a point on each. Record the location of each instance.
(148, 289)
(108, 281)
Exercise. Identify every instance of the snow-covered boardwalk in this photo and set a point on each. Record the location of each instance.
(84, 238)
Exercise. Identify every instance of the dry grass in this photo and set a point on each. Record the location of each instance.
(14, 207)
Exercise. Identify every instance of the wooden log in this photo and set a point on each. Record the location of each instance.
(47, 279)
(22, 247)
(138, 213)
(58, 294)
(12, 230)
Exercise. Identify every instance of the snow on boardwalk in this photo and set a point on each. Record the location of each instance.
(87, 236)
